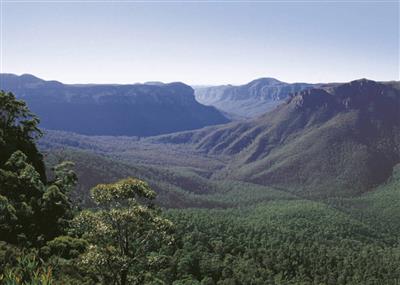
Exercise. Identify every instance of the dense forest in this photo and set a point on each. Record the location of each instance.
(138, 225)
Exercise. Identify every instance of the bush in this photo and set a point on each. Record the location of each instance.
(65, 246)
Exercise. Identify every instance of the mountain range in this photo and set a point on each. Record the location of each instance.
(110, 109)
(337, 140)
(321, 141)
(249, 100)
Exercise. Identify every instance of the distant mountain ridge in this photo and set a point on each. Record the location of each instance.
(112, 109)
(249, 100)
(337, 140)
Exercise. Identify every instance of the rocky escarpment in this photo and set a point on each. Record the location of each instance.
(110, 109)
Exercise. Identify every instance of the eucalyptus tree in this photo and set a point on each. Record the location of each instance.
(125, 233)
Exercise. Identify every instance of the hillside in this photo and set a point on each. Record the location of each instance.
(260, 233)
(177, 187)
(379, 208)
(293, 242)
(338, 140)
(249, 100)
(134, 110)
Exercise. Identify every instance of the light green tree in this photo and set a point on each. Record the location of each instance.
(125, 233)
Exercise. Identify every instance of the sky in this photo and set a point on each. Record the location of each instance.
(200, 42)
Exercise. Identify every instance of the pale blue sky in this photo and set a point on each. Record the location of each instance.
(201, 42)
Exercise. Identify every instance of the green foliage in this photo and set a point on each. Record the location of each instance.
(177, 187)
(18, 131)
(27, 271)
(20, 192)
(125, 233)
(282, 241)
(127, 189)
(66, 247)
(32, 212)
(64, 177)
(380, 208)
(287, 242)
(8, 255)
(16, 119)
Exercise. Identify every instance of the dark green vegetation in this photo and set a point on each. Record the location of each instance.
(307, 194)
(33, 210)
(134, 110)
(286, 242)
(177, 187)
(44, 240)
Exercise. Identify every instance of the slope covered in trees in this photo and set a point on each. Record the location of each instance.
(281, 243)
(176, 187)
(339, 140)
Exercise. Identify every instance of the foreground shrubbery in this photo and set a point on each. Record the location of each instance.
(27, 270)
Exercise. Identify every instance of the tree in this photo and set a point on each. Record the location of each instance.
(31, 212)
(18, 131)
(125, 234)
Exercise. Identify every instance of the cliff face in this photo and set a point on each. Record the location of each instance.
(138, 109)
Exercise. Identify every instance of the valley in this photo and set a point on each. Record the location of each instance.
(200, 142)
(321, 143)
(307, 193)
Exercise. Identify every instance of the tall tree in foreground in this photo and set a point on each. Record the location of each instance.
(19, 131)
(32, 209)
(125, 233)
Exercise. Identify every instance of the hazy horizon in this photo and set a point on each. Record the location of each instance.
(192, 85)
(200, 43)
